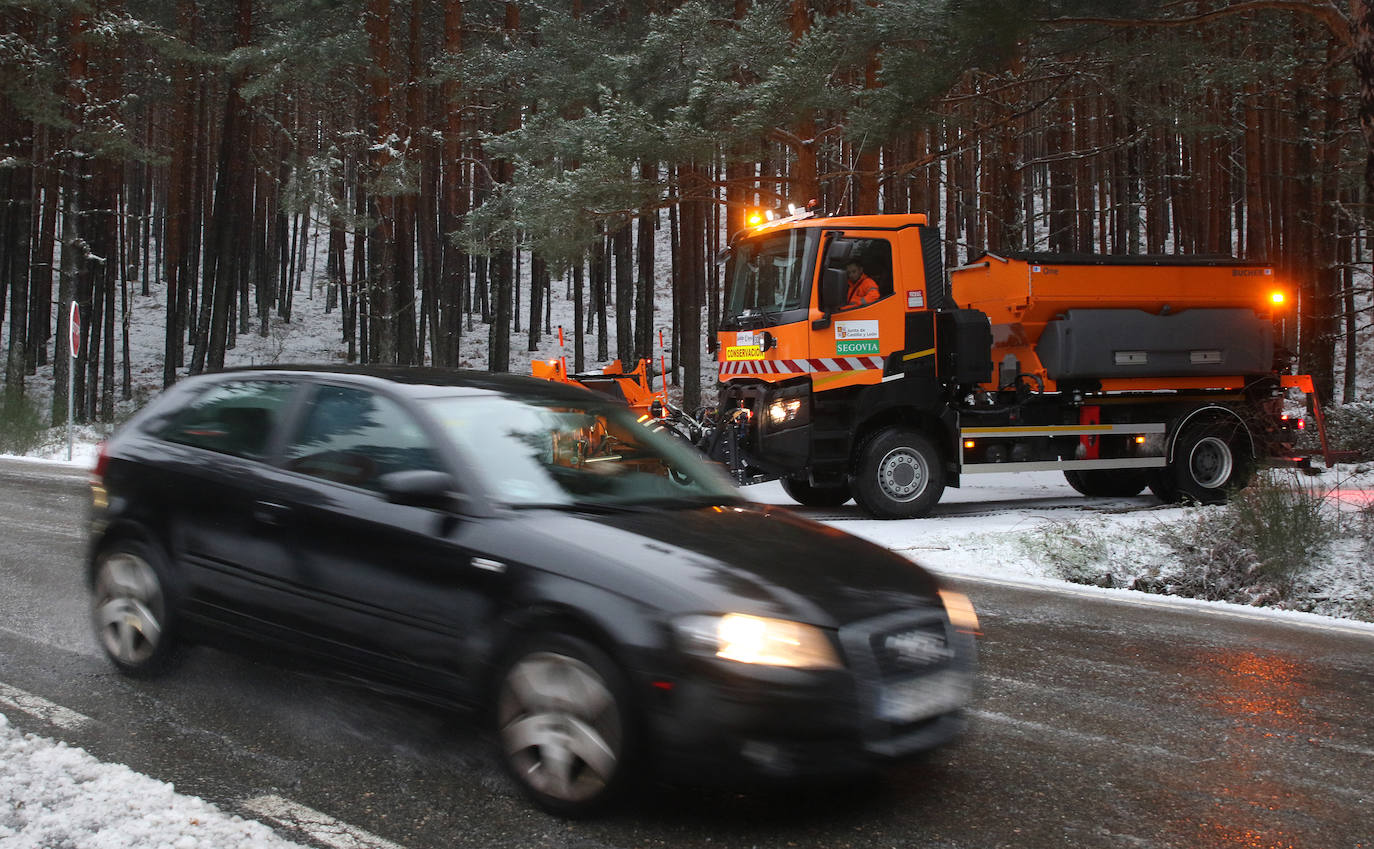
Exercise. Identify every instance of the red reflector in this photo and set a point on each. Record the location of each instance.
(662, 685)
(101, 461)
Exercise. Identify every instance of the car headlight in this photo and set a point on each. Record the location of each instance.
(758, 640)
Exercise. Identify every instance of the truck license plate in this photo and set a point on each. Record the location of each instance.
(927, 696)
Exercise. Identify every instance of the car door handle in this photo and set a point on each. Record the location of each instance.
(486, 564)
(270, 512)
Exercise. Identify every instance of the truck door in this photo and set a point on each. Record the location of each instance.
(862, 329)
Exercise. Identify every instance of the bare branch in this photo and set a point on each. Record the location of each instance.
(1322, 10)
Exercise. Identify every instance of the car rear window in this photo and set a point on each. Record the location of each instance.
(354, 436)
(234, 418)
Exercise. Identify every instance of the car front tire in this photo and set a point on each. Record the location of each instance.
(565, 725)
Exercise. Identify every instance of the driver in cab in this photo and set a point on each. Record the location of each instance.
(863, 290)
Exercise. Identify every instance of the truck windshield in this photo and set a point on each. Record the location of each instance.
(771, 274)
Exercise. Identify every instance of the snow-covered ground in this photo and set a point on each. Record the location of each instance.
(54, 795)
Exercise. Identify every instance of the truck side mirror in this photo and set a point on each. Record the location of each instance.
(832, 289)
(831, 295)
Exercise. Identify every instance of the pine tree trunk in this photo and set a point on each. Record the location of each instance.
(695, 196)
(644, 306)
(16, 226)
(454, 199)
(539, 270)
(71, 261)
(579, 317)
(621, 249)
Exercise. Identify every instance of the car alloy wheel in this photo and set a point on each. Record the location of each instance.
(562, 725)
(129, 610)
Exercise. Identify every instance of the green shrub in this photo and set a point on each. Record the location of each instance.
(1349, 427)
(1074, 551)
(1209, 563)
(1255, 550)
(1285, 521)
(21, 425)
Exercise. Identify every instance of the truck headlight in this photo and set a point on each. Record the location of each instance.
(785, 410)
(758, 640)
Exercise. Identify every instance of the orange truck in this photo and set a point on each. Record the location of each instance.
(1121, 372)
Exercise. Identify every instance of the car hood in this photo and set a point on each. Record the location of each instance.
(742, 558)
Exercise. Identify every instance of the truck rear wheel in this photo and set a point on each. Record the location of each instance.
(899, 475)
(1211, 460)
(802, 491)
(1107, 483)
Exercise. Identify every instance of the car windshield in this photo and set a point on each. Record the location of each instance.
(576, 455)
(771, 274)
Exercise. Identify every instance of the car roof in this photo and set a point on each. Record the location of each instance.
(429, 381)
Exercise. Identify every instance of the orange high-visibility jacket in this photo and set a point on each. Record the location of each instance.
(862, 291)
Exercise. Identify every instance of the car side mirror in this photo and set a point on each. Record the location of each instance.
(423, 488)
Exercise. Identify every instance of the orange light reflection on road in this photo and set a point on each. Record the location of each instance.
(1258, 687)
(1266, 696)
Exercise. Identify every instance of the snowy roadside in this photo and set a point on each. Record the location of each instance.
(52, 794)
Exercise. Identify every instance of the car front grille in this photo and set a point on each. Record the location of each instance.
(918, 649)
(910, 668)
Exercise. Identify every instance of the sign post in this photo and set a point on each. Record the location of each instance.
(75, 346)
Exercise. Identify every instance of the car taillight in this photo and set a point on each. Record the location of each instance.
(101, 461)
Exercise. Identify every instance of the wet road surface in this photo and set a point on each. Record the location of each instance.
(1097, 723)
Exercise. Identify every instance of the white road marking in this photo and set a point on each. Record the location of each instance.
(41, 708)
(322, 828)
(1042, 731)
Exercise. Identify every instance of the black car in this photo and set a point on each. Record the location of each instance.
(603, 592)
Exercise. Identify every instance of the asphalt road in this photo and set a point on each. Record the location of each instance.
(1097, 723)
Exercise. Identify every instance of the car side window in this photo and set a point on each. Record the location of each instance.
(234, 418)
(353, 436)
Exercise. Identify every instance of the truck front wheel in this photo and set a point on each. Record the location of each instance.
(899, 475)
